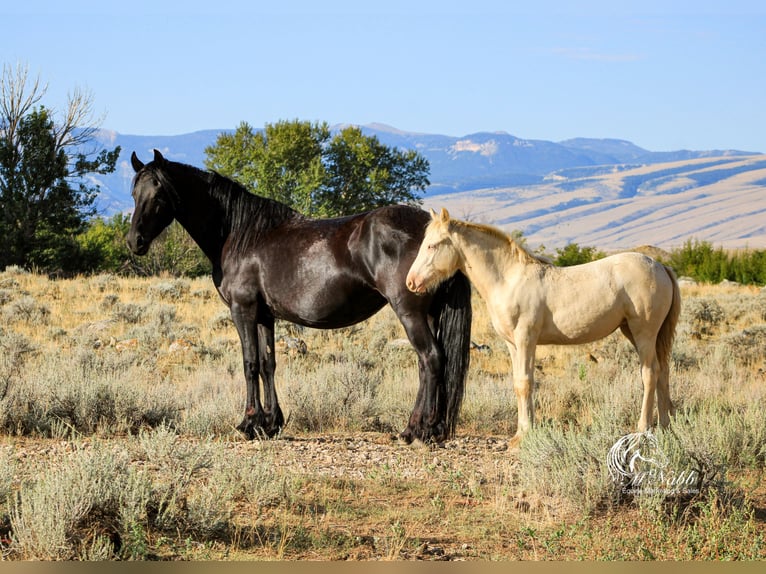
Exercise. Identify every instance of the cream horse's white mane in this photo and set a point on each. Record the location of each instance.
(518, 251)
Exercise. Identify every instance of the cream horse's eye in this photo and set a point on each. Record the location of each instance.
(431, 246)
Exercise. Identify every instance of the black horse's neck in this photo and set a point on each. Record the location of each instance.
(218, 212)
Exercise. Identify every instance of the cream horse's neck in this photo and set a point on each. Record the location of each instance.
(486, 259)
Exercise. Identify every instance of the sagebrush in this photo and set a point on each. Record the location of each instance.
(126, 393)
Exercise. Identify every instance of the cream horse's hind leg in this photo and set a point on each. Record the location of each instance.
(664, 404)
(656, 380)
(523, 359)
(650, 369)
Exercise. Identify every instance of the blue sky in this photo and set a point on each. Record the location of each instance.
(663, 74)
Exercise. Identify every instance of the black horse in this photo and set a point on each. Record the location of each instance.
(269, 261)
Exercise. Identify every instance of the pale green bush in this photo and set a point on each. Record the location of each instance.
(569, 465)
(50, 513)
(334, 396)
(87, 393)
(101, 502)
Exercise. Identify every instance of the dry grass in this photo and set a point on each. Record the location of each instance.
(118, 400)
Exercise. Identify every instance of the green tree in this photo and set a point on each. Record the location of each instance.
(102, 245)
(320, 174)
(363, 174)
(45, 200)
(698, 259)
(752, 267)
(282, 162)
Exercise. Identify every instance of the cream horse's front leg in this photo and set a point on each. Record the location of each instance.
(523, 359)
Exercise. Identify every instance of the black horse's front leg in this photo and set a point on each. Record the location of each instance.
(258, 361)
(428, 419)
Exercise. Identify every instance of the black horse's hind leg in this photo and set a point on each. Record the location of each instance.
(257, 356)
(428, 419)
(274, 420)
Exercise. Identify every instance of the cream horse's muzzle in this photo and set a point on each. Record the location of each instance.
(415, 284)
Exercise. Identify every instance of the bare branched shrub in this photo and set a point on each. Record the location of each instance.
(14, 351)
(109, 301)
(6, 295)
(222, 320)
(105, 282)
(26, 309)
(702, 315)
(173, 290)
(749, 345)
(129, 312)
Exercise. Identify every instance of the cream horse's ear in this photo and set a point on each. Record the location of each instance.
(443, 216)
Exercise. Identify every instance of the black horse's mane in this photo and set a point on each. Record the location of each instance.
(247, 215)
(246, 209)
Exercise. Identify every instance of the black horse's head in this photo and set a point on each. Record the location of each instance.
(154, 198)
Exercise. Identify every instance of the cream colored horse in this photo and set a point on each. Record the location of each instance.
(532, 302)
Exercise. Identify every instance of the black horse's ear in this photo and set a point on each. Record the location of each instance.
(137, 165)
(158, 157)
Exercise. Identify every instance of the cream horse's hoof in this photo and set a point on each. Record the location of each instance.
(515, 442)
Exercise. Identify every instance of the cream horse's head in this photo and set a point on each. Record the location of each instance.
(438, 258)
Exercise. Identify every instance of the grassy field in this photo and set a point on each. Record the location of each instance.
(119, 397)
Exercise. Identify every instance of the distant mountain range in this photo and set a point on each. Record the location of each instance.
(608, 193)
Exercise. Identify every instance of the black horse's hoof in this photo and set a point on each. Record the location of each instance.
(247, 428)
(261, 425)
(252, 431)
(425, 435)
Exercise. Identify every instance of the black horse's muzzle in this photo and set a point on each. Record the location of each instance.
(137, 244)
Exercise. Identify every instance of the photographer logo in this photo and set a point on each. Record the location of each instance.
(637, 464)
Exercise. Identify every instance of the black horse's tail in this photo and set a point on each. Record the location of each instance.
(452, 306)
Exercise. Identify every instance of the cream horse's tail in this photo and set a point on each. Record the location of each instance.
(668, 329)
